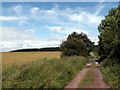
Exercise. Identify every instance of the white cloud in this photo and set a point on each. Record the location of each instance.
(14, 34)
(77, 15)
(61, 21)
(58, 16)
(66, 30)
(14, 45)
(85, 18)
(57, 37)
(35, 10)
(56, 7)
(12, 18)
(57, 28)
(14, 38)
(22, 22)
(95, 20)
(94, 39)
(18, 9)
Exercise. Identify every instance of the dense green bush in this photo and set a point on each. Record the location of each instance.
(45, 73)
(109, 46)
(109, 39)
(76, 44)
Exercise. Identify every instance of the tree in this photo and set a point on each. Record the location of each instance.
(76, 44)
(109, 39)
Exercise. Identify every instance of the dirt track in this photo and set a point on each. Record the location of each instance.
(76, 81)
(96, 83)
(98, 79)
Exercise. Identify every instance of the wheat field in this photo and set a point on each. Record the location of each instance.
(39, 69)
(10, 58)
(44, 73)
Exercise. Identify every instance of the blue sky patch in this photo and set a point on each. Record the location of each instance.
(47, 24)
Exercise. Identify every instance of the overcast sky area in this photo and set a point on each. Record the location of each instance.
(43, 24)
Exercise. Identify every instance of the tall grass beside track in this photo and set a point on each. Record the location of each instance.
(110, 71)
(45, 73)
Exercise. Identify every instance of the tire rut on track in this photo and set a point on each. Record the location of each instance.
(97, 83)
(76, 81)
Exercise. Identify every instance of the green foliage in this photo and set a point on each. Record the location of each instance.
(109, 45)
(111, 72)
(45, 73)
(88, 79)
(95, 50)
(109, 39)
(76, 44)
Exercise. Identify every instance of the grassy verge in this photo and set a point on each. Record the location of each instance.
(54, 73)
(88, 78)
(110, 72)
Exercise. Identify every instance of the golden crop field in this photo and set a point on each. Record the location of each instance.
(9, 58)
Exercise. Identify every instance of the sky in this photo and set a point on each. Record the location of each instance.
(47, 24)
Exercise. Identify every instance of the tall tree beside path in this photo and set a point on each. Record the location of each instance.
(109, 46)
(109, 39)
(76, 44)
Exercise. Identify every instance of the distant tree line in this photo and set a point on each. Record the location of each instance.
(37, 49)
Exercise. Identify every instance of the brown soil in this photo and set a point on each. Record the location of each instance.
(98, 79)
(97, 83)
(76, 81)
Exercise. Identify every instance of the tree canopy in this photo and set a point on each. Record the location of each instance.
(76, 44)
(109, 39)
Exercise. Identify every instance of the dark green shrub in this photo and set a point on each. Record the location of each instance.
(76, 44)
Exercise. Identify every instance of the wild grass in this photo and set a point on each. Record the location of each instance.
(88, 78)
(46, 73)
(110, 73)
